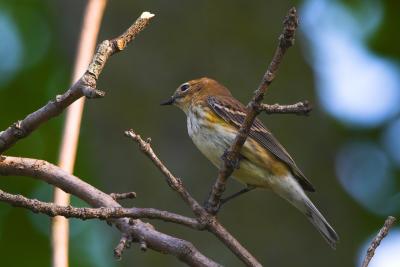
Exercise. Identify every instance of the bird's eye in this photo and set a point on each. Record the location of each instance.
(184, 87)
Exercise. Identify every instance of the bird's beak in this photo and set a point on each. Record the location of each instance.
(168, 102)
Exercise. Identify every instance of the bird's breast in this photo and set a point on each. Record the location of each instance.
(209, 133)
(213, 136)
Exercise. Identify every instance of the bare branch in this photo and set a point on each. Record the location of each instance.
(231, 157)
(83, 86)
(143, 245)
(127, 220)
(103, 213)
(204, 218)
(119, 196)
(377, 240)
(123, 243)
(174, 182)
(300, 108)
(155, 240)
(88, 92)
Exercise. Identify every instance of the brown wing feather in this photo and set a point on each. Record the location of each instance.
(234, 112)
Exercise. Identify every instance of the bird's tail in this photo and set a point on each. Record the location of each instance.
(316, 218)
(289, 189)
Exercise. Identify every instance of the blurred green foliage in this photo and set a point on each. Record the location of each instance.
(230, 41)
(384, 41)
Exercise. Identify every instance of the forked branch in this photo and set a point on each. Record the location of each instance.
(134, 229)
(127, 220)
(137, 230)
(85, 86)
(286, 40)
(204, 218)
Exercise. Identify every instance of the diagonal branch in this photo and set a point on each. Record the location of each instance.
(137, 230)
(174, 182)
(286, 40)
(377, 240)
(204, 218)
(85, 86)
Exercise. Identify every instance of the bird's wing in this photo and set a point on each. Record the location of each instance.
(232, 111)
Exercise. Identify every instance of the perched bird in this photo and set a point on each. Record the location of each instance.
(213, 119)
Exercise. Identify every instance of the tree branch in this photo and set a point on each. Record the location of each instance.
(105, 206)
(103, 213)
(119, 196)
(204, 218)
(300, 108)
(174, 182)
(286, 40)
(137, 230)
(377, 240)
(86, 85)
(123, 243)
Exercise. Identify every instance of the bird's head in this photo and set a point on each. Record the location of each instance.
(195, 90)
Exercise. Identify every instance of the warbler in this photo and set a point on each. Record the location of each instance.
(214, 117)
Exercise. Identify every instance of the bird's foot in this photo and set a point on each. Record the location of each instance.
(239, 193)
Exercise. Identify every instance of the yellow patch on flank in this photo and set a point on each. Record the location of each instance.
(279, 168)
(213, 118)
(264, 158)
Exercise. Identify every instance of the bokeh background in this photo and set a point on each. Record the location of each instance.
(345, 61)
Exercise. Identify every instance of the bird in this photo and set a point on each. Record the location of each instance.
(214, 117)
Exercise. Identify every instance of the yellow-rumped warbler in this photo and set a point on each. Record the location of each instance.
(213, 119)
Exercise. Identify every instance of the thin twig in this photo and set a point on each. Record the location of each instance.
(107, 48)
(123, 243)
(103, 213)
(120, 196)
(155, 240)
(143, 245)
(377, 240)
(204, 218)
(300, 108)
(174, 182)
(286, 40)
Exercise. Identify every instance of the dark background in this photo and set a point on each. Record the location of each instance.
(345, 62)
